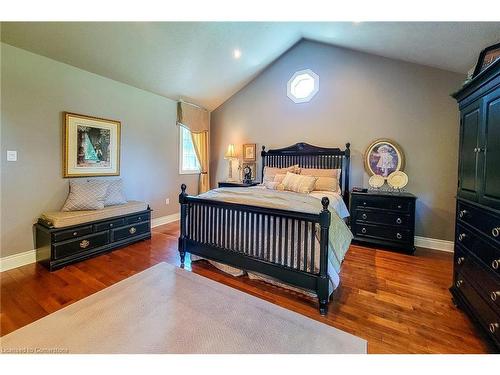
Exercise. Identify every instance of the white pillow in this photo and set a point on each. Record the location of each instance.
(86, 195)
(270, 172)
(115, 194)
(299, 183)
(328, 179)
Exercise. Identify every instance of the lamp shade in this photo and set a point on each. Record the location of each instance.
(230, 153)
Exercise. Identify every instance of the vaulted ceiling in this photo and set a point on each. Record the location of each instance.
(195, 60)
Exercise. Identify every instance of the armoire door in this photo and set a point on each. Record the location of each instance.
(468, 183)
(490, 151)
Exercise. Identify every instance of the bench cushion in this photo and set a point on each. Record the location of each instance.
(60, 219)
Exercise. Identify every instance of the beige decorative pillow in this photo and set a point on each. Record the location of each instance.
(273, 185)
(328, 179)
(270, 172)
(279, 178)
(298, 183)
(87, 195)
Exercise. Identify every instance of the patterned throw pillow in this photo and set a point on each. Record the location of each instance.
(299, 183)
(270, 172)
(87, 195)
(115, 194)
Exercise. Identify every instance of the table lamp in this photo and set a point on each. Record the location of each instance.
(230, 155)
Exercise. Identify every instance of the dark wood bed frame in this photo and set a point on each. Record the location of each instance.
(234, 234)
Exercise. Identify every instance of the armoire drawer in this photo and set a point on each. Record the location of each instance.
(472, 241)
(382, 217)
(486, 222)
(487, 283)
(486, 316)
(77, 245)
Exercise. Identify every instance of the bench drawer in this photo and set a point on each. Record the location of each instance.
(81, 244)
(138, 218)
(71, 233)
(129, 231)
(109, 225)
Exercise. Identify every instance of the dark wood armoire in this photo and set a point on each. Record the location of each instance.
(476, 275)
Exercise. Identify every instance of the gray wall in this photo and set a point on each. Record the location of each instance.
(34, 92)
(362, 97)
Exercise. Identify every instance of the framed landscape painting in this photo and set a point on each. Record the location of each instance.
(91, 146)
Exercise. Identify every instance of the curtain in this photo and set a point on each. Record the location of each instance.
(196, 120)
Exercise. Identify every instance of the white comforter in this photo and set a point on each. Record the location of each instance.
(339, 238)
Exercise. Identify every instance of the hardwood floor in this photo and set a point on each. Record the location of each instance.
(398, 303)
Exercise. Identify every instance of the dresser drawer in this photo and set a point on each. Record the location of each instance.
(129, 231)
(489, 254)
(71, 233)
(109, 225)
(137, 218)
(81, 244)
(486, 316)
(381, 217)
(383, 233)
(487, 283)
(382, 202)
(484, 221)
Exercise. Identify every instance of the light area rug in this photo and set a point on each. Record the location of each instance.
(165, 309)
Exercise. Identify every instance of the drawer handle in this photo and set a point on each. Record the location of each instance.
(461, 236)
(495, 264)
(493, 327)
(494, 295)
(75, 233)
(132, 230)
(495, 232)
(364, 216)
(399, 236)
(363, 230)
(462, 213)
(139, 218)
(84, 244)
(460, 260)
(364, 203)
(398, 220)
(111, 225)
(459, 283)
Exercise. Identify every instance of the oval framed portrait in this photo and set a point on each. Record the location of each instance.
(384, 157)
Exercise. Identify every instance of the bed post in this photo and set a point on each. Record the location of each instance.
(346, 192)
(323, 280)
(182, 238)
(263, 155)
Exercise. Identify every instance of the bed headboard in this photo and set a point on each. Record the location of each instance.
(308, 156)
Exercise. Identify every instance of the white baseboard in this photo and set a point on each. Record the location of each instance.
(434, 244)
(17, 260)
(165, 219)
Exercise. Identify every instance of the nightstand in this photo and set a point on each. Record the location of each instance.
(237, 184)
(384, 219)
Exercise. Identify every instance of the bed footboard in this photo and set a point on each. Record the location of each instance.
(278, 243)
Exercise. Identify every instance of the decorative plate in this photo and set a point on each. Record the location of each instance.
(397, 180)
(376, 181)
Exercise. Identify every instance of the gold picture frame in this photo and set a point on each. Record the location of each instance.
(91, 146)
(249, 152)
(384, 156)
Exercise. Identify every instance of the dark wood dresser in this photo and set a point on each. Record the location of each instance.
(58, 247)
(476, 276)
(384, 219)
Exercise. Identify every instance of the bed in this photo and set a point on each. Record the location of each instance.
(292, 238)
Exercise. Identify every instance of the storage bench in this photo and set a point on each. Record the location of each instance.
(63, 238)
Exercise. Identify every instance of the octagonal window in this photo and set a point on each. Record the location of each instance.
(303, 85)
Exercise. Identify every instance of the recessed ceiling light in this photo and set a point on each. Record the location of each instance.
(236, 53)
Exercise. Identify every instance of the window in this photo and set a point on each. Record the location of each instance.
(303, 85)
(188, 161)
